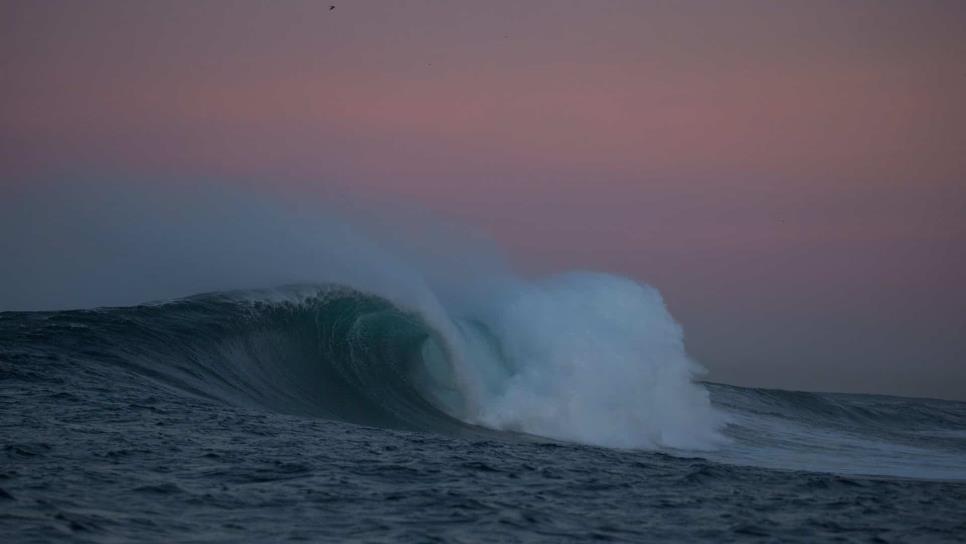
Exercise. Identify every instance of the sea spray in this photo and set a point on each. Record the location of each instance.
(597, 359)
(584, 357)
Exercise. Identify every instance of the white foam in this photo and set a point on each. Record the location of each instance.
(590, 358)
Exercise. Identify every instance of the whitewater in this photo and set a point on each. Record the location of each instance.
(326, 382)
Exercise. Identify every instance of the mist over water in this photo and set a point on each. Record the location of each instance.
(585, 357)
(98, 243)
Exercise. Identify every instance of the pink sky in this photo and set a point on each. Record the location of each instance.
(792, 176)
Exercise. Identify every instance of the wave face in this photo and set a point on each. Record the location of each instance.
(333, 353)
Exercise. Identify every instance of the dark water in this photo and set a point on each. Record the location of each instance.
(214, 420)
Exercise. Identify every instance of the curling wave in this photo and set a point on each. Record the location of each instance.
(583, 357)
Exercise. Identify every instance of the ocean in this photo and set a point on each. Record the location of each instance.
(321, 413)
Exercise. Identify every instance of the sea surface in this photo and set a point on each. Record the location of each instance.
(333, 415)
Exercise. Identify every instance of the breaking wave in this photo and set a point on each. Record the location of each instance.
(583, 357)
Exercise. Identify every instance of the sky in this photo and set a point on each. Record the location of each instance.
(790, 175)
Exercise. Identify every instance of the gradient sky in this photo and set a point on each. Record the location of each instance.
(790, 175)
